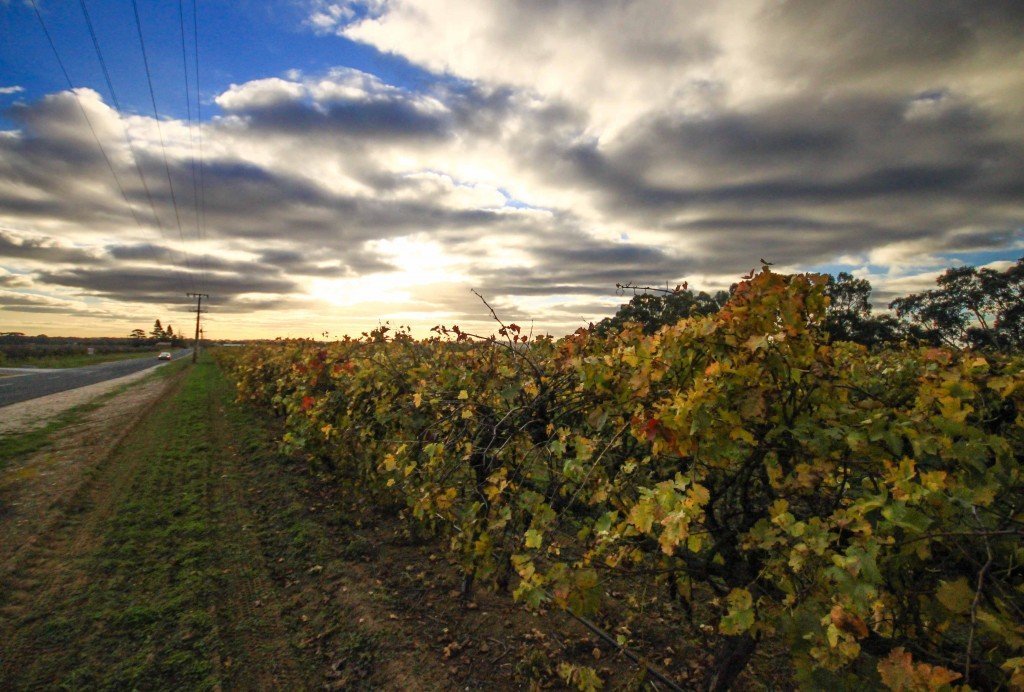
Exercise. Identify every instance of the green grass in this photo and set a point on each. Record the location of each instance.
(155, 573)
(75, 360)
(159, 600)
(141, 618)
(17, 445)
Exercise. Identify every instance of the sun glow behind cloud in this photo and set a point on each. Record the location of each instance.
(418, 265)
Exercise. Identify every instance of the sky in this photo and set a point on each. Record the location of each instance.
(326, 167)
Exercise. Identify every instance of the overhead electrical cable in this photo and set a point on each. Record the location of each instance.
(127, 138)
(160, 134)
(85, 113)
(191, 142)
(199, 123)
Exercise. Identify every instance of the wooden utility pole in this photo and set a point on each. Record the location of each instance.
(199, 311)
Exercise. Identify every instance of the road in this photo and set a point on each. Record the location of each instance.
(25, 384)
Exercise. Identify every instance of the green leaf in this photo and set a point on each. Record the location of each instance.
(956, 596)
(604, 523)
(740, 617)
(906, 517)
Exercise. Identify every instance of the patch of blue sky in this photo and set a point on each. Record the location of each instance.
(941, 260)
(239, 40)
(514, 203)
(982, 257)
(836, 267)
(517, 204)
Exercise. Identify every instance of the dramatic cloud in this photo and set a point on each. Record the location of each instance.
(547, 151)
(41, 249)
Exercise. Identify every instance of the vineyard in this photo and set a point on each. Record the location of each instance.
(862, 509)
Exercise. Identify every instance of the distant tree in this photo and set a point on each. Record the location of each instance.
(158, 331)
(174, 338)
(849, 318)
(652, 310)
(137, 335)
(975, 308)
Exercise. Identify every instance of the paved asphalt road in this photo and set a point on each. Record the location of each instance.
(25, 384)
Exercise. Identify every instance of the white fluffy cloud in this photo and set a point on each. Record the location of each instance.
(260, 93)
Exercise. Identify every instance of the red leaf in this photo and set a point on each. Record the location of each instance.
(650, 429)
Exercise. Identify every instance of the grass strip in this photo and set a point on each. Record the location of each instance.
(140, 616)
(164, 586)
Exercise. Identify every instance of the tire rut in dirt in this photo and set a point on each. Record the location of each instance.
(255, 649)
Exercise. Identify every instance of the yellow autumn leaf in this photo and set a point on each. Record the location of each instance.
(642, 515)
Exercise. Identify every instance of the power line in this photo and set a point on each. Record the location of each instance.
(191, 142)
(199, 123)
(160, 134)
(85, 114)
(124, 128)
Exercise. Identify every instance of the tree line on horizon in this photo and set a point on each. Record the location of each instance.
(157, 334)
(970, 307)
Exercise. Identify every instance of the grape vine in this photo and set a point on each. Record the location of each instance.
(865, 506)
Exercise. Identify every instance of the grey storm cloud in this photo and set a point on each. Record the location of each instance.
(14, 280)
(913, 39)
(28, 302)
(387, 119)
(794, 152)
(574, 263)
(147, 252)
(48, 309)
(380, 115)
(43, 250)
(324, 262)
(300, 209)
(155, 285)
